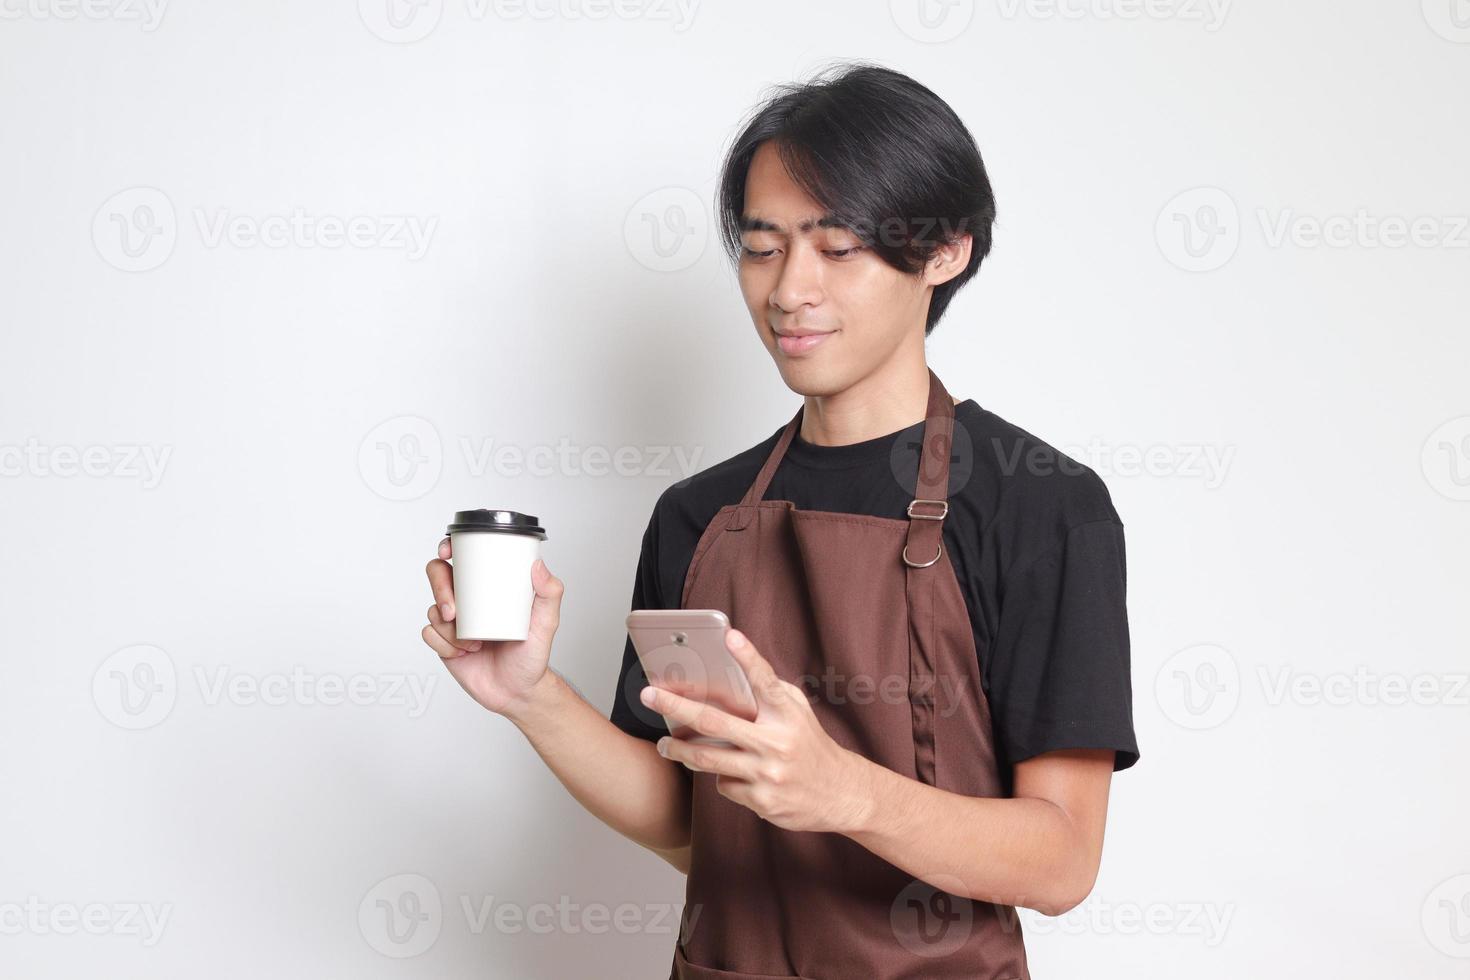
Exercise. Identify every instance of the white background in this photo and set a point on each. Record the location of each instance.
(315, 404)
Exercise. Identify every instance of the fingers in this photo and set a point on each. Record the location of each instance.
(447, 630)
(441, 581)
(546, 606)
(717, 759)
(703, 718)
(446, 549)
(441, 646)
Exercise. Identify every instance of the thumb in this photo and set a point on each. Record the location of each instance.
(764, 681)
(546, 607)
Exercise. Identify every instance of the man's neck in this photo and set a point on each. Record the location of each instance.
(881, 403)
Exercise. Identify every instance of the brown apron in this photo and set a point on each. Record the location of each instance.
(865, 614)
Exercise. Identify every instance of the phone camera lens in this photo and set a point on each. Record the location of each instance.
(680, 638)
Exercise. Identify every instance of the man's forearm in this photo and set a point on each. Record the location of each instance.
(1011, 851)
(619, 778)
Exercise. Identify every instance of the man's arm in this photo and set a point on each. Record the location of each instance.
(619, 778)
(1039, 849)
(679, 857)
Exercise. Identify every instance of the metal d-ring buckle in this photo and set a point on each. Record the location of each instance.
(912, 564)
(928, 517)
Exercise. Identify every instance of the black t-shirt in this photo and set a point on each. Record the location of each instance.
(1034, 541)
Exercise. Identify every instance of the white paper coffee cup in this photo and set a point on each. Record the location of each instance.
(493, 551)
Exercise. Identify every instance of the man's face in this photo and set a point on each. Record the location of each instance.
(844, 310)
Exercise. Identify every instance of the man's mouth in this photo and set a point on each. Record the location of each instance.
(800, 343)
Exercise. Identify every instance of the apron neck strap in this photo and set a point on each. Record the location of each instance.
(932, 485)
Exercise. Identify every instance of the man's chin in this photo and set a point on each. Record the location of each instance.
(811, 376)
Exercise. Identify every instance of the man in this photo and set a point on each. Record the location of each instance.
(928, 601)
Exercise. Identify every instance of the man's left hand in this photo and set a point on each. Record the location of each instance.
(784, 766)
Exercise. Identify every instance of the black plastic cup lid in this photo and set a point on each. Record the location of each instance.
(504, 521)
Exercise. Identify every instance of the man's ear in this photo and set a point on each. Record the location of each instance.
(948, 261)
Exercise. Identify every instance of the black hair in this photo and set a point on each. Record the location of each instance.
(884, 155)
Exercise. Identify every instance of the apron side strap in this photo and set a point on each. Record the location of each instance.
(932, 479)
(757, 490)
(925, 539)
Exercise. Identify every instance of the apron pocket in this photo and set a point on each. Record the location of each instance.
(684, 970)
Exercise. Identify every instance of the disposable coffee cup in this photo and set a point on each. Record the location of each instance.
(493, 551)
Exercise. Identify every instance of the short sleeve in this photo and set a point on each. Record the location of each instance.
(1060, 662)
(628, 712)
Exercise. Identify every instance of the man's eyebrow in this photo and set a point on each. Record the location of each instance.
(828, 220)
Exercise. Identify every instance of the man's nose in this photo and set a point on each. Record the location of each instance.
(800, 283)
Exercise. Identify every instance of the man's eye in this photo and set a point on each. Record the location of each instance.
(842, 253)
(759, 255)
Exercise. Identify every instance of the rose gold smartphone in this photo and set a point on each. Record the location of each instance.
(683, 650)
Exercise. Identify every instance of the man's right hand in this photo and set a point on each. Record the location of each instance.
(500, 674)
